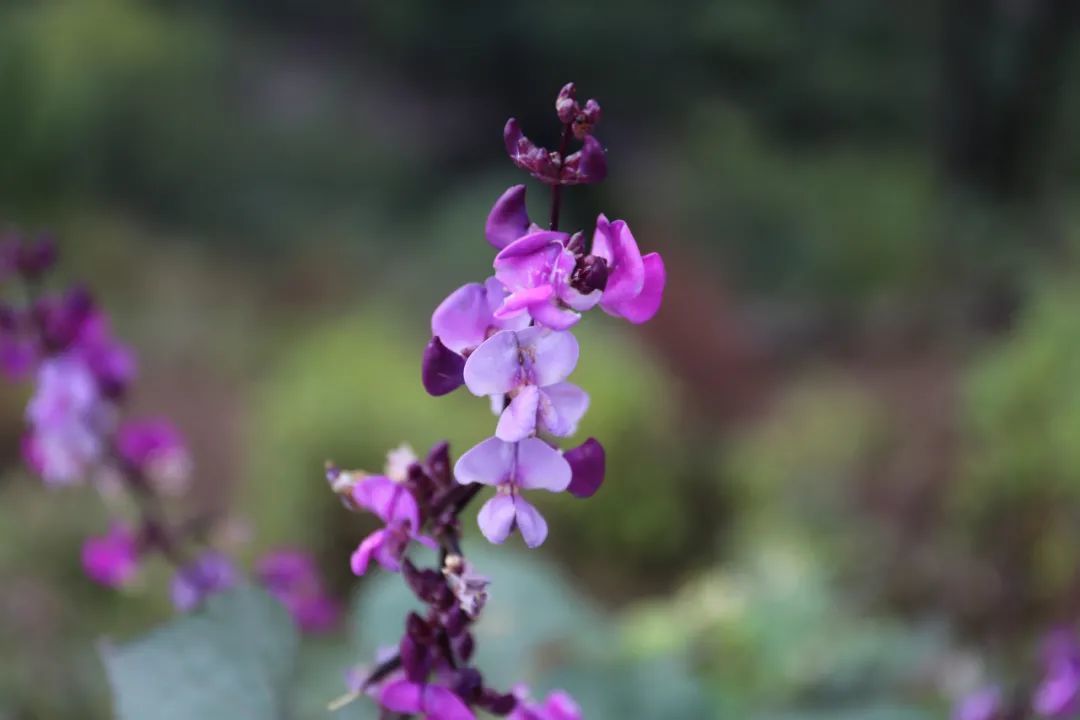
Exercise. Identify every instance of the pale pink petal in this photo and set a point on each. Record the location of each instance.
(562, 406)
(524, 299)
(530, 522)
(462, 319)
(488, 463)
(552, 355)
(541, 467)
(496, 518)
(641, 308)
(496, 293)
(494, 367)
(518, 420)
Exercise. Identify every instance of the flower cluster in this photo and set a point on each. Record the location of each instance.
(1055, 696)
(507, 339)
(76, 434)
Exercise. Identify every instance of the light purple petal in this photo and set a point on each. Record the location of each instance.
(614, 242)
(402, 696)
(562, 406)
(554, 317)
(496, 518)
(524, 299)
(552, 355)
(388, 500)
(518, 420)
(530, 522)
(508, 219)
(461, 320)
(496, 294)
(494, 367)
(641, 308)
(488, 463)
(541, 467)
(361, 558)
(442, 704)
(587, 464)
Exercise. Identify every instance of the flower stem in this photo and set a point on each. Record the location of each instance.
(556, 189)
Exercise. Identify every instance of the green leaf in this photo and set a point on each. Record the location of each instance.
(233, 660)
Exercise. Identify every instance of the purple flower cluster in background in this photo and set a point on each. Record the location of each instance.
(506, 339)
(76, 434)
(1055, 696)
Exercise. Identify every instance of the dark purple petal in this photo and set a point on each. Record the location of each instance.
(587, 165)
(416, 661)
(565, 105)
(34, 259)
(537, 161)
(508, 219)
(442, 369)
(587, 462)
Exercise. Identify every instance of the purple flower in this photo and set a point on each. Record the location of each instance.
(587, 465)
(430, 701)
(113, 363)
(557, 706)
(635, 284)
(17, 356)
(66, 418)
(112, 559)
(587, 165)
(529, 366)
(157, 450)
(983, 704)
(392, 503)
(530, 464)
(292, 577)
(508, 219)
(538, 270)
(210, 573)
(1058, 695)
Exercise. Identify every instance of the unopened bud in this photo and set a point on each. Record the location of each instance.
(565, 106)
(590, 274)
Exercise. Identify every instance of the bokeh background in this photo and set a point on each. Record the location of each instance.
(843, 476)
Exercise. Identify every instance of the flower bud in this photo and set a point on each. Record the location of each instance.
(565, 105)
(590, 274)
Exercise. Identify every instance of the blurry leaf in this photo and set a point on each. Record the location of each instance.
(232, 660)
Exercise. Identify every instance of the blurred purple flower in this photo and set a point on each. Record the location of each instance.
(430, 701)
(557, 706)
(293, 578)
(529, 366)
(66, 418)
(587, 165)
(210, 573)
(112, 559)
(392, 503)
(1058, 694)
(635, 284)
(530, 464)
(157, 450)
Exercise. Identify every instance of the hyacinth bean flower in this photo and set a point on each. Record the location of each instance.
(292, 577)
(557, 706)
(113, 559)
(156, 449)
(392, 503)
(459, 325)
(66, 417)
(538, 270)
(210, 573)
(1058, 695)
(427, 700)
(587, 165)
(529, 366)
(530, 464)
(635, 284)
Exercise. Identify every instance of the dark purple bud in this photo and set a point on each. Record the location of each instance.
(438, 464)
(537, 161)
(456, 621)
(587, 463)
(444, 598)
(576, 243)
(497, 703)
(114, 367)
(565, 105)
(586, 119)
(589, 274)
(417, 628)
(463, 646)
(469, 684)
(34, 259)
(508, 219)
(416, 659)
(587, 165)
(442, 370)
(425, 584)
